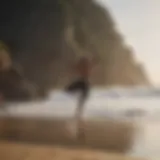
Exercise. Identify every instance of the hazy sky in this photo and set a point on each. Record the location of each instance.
(139, 22)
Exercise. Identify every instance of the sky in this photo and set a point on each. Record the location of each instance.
(139, 22)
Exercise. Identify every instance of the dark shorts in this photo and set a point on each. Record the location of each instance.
(81, 86)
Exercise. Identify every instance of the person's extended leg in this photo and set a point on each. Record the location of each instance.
(73, 87)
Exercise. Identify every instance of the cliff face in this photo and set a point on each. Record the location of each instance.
(46, 37)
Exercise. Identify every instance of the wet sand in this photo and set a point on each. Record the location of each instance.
(148, 140)
(102, 134)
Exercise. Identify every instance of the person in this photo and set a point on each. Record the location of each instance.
(82, 69)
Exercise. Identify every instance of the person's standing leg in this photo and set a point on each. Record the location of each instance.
(74, 88)
(84, 88)
(80, 107)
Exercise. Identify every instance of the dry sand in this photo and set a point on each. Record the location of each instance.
(14, 151)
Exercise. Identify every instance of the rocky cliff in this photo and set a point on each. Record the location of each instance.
(48, 36)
